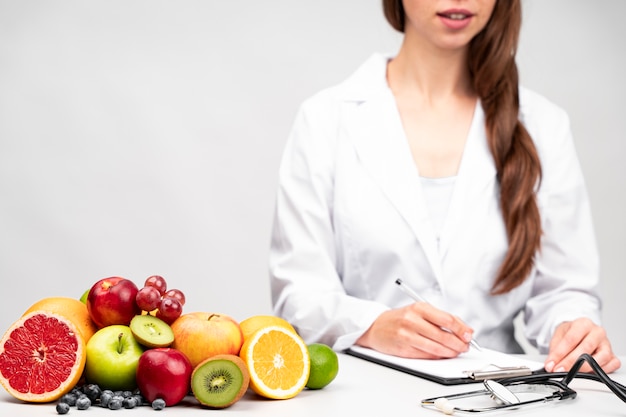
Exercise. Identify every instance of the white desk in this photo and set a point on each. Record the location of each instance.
(360, 389)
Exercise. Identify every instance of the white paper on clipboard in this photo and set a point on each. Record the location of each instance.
(454, 369)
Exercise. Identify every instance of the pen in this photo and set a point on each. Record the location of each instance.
(415, 296)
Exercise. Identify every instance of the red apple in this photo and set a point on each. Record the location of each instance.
(164, 373)
(202, 335)
(112, 301)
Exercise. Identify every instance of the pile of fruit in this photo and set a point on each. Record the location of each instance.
(120, 346)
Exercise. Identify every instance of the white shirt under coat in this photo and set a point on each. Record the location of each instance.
(351, 217)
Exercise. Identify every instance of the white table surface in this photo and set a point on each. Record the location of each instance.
(360, 389)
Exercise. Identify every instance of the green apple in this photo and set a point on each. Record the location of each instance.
(112, 358)
(83, 298)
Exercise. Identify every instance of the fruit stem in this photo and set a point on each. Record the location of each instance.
(212, 315)
(119, 343)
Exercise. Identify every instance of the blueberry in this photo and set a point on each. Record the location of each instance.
(83, 403)
(63, 408)
(69, 398)
(127, 394)
(129, 402)
(140, 400)
(92, 391)
(105, 397)
(158, 404)
(115, 403)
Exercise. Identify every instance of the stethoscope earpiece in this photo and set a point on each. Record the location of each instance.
(444, 405)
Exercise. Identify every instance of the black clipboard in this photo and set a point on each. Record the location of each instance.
(389, 363)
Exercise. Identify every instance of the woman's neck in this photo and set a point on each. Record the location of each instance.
(432, 73)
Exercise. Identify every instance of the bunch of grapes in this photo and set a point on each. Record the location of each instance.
(156, 299)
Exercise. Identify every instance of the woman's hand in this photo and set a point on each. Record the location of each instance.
(573, 338)
(416, 331)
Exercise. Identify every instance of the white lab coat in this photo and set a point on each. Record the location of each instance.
(350, 219)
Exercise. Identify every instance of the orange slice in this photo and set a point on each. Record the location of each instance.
(42, 357)
(254, 323)
(278, 361)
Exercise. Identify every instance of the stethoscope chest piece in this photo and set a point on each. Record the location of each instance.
(500, 393)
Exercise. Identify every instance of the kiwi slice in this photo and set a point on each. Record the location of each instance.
(151, 331)
(220, 380)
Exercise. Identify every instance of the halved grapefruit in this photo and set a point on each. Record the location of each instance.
(70, 308)
(42, 357)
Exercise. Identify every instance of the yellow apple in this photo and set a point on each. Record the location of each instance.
(201, 335)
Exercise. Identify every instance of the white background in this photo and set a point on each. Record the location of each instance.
(143, 137)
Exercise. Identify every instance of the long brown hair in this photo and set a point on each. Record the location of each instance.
(492, 67)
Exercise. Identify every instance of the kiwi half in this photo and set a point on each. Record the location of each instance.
(151, 331)
(220, 381)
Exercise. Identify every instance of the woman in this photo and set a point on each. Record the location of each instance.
(434, 166)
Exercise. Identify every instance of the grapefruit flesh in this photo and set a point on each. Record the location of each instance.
(42, 357)
(70, 308)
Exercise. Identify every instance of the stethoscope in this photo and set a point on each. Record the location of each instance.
(540, 388)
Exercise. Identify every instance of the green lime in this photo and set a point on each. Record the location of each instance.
(324, 365)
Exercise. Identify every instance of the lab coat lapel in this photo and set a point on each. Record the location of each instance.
(379, 140)
(470, 198)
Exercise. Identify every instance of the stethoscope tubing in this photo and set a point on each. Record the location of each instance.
(537, 382)
(562, 392)
(598, 375)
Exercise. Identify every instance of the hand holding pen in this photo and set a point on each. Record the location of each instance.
(417, 330)
(417, 298)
